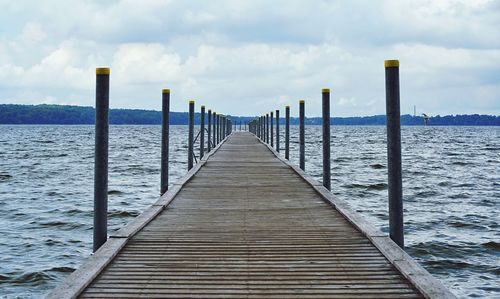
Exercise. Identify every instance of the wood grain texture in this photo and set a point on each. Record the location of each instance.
(246, 225)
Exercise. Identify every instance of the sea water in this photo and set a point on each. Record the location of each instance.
(451, 182)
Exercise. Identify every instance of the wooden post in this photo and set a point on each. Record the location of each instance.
(214, 133)
(326, 138)
(101, 158)
(267, 128)
(202, 132)
(278, 131)
(302, 147)
(287, 132)
(271, 118)
(395, 185)
(191, 135)
(209, 125)
(223, 127)
(218, 128)
(165, 136)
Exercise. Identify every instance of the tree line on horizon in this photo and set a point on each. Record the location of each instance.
(78, 115)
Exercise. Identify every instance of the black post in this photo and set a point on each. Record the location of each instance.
(202, 132)
(278, 131)
(209, 134)
(271, 118)
(267, 128)
(191, 135)
(165, 131)
(214, 115)
(395, 186)
(101, 158)
(261, 129)
(287, 132)
(223, 127)
(218, 128)
(326, 139)
(257, 129)
(302, 145)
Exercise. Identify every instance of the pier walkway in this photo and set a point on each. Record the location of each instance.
(245, 223)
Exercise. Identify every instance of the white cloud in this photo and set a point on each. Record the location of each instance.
(244, 57)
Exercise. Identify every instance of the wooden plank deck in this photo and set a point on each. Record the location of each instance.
(247, 224)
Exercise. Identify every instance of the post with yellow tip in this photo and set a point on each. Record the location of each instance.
(326, 138)
(223, 127)
(267, 128)
(191, 135)
(302, 144)
(202, 132)
(165, 132)
(101, 158)
(278, 131)
(395, 185)
(214, 116)
(287, 132)
(209, 126)
(258, 127)
(217, 128)
(271, 119)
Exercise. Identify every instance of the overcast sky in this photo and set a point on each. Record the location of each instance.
(249, 57)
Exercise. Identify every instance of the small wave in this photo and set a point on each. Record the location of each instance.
(425, 194)
(73, 212)
(53, 224)
(62, 269)
(120, 214)
(33, 278)
(50, 242)
(378, 186)
(5, 177)
(460, 163)
(492, 245)
(468, 185)
(377, 166)
(443, 184)
(465, 224)
(115, 192)
(44, 141)
(459, 196)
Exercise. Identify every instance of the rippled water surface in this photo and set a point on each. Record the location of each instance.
(451, 192)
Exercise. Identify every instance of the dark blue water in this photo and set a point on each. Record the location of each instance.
(451, 192)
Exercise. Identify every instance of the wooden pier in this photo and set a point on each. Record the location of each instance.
(245, 223)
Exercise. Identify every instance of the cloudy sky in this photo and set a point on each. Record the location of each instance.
(249, 57)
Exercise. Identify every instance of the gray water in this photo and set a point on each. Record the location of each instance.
(451, 193)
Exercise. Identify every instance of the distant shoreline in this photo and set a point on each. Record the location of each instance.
(13, 114)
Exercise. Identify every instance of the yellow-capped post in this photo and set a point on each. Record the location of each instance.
(209, 131)
(302, 143)
(326, 138)
(101, 157)
(395, 185)
(287, 132)
(165, 137)
(271, 120)
(191, 135)
(202, 131)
